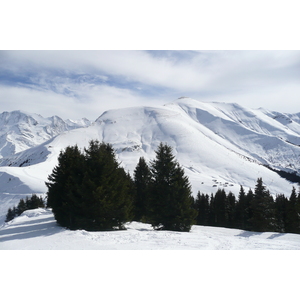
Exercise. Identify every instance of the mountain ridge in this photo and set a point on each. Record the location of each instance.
(220, 145)
(20, 130)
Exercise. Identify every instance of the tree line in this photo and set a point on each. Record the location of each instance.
(29, 203)
(89, 190)
(255, 210)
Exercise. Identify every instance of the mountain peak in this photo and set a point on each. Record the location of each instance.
(20, 130)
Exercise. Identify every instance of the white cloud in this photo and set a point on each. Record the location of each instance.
(284, 98)
(45, 103)
(111, 79)
(94, 100)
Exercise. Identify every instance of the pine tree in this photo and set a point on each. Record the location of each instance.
(170, 192)
(142, 177)
(11, 214)
(241, 209)
(230, 210)
(111, 196)
(36, 201)
(220, 208)
(21, 207)
(63, 187)
(262, 206)
(248, 210)
(293, 213)
(202, 207)
(281, 210)
(90, 190)
(212, 209)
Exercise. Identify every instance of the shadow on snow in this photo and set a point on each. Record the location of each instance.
(248, 234)
(38, 228)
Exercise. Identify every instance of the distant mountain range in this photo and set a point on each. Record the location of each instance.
(220, 145)
(20, 130)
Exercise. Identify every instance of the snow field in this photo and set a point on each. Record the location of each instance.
(37, 230)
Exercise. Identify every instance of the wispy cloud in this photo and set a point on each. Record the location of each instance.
(78, 82)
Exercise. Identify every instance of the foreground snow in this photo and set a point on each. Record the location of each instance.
(37, 229)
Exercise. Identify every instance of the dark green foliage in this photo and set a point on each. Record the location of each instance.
(219, 211)
(281, 209)
(11, 214)
(170, 193)
(22, 206)
(252, 211)
(90, 190)
(230, 210)
(290, 176)
(212, 209)
(202, 207)
(63, 187)
(293, 213)
(262, 206)
(241, 209)
(142, 177)
(31, 203)
(220, 208)
(248, 210)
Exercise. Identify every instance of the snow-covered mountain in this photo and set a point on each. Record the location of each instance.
(20, 130)
(220, 145)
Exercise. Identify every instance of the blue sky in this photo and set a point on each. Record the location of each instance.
(74, 84)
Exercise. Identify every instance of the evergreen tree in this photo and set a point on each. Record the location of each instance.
(240, 215)
(142, 177)
(262, 206)
(293, 213)
(11, 214)
(90, 190)
(202, 207)
(111, 188)
(212, 209)
(170, 192)
(230, 210)
(21, 207)
(34, 202)
(63, 187)
(281, 209)
(30, 203)
(220, 208)
(248, 213)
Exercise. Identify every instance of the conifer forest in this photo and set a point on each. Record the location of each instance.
(90, 190)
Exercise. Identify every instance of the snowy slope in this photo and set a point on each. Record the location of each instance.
(36, 229)
(220, 146)
(20, 130)
(258, 133)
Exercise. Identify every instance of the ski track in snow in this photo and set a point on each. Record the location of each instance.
(37, 230)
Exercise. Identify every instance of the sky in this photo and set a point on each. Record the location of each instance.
(75, 60)
(85, 83)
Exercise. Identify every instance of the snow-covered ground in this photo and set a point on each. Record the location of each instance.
(36, 229)
(160, 274)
